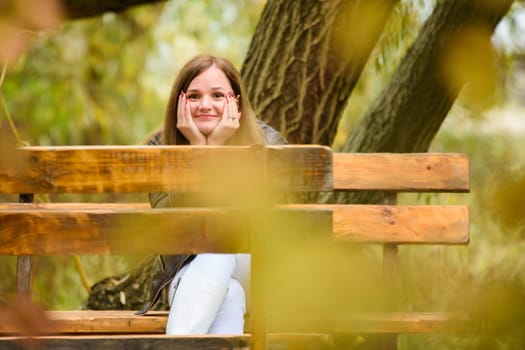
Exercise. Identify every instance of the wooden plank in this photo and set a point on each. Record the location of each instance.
(403, 224)
(301, 168)
(313, 341)
(62, 232)
(390, 271)
(141, 231)
(101, 321)
(95, 169)
(24, 264)
(24, 274)
(390, 278)
(108, 321)
(126, 322)
(75, 206)
(376, 323)
(420, 172)
(121, 342)
(55, 229)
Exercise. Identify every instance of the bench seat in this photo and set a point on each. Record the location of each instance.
(126, 322)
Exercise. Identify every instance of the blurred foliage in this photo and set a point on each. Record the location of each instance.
(105, 80)
(470, 57)
(506, 199)
(74, 88)
(17, 24)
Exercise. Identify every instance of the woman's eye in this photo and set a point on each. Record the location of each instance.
(218, 95)
(193, 97)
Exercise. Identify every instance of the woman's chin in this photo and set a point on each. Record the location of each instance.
(206, 126)
(206, 130)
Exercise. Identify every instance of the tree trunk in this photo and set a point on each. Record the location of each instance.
(407, 115)
(128, 291)
(75, 9)
(304, 60)
(410, 110)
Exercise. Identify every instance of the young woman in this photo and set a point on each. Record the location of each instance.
(208, 106)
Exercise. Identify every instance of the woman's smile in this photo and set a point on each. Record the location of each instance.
(206, 116)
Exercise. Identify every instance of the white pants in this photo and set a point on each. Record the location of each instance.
(232, 270)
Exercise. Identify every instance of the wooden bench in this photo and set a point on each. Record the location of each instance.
(243, 216)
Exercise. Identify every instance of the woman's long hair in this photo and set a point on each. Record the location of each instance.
(249, 131)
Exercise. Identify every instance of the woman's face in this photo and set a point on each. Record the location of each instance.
(206, 96)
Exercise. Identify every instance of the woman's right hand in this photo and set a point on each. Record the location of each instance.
(185, 122)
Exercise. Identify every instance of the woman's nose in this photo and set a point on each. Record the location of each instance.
(205, 102)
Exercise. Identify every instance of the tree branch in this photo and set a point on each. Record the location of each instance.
(76, 9)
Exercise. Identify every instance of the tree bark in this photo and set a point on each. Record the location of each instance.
(128, 291)
(407, 115)
(409, 112)
(304, 60)
(75, 9)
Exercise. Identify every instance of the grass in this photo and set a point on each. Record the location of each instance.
(486, 277)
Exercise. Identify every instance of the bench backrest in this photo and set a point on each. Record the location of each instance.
(228, 173)
(182, 169)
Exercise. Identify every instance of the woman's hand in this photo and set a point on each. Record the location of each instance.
(185, 122)
(228, 124)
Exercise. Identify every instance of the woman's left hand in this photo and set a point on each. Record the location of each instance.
(229, 122)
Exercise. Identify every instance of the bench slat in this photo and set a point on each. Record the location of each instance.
(317, 341)
(101, 321)
(423, 172)
(48, 230)
(138, 169)
(142, 231)
(377, 323)
(136, 342)
(402, 224)
(126, 322)
(124, 169)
